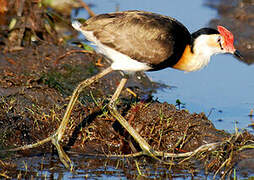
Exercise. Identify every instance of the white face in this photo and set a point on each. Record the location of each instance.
(208, 45)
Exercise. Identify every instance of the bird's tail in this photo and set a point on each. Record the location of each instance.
(76, 25)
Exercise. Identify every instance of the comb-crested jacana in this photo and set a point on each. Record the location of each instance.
(145, 41)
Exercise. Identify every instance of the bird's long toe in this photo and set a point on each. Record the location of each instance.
(64, 158)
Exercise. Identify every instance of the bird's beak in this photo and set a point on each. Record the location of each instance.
(238, 54)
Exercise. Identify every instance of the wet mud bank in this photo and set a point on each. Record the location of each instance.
(36, 83)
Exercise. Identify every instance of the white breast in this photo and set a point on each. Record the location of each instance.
(202, 53)
(197, 62)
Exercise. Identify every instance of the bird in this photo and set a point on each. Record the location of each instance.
(144, 41)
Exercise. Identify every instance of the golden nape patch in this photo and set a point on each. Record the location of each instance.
(183, 63)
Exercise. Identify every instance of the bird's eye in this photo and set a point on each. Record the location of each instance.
(219, 39)
(220, 42)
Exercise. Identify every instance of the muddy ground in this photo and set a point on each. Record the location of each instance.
(36, 81)
(35, 92)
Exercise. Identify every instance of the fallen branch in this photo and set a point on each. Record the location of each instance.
(87, 8)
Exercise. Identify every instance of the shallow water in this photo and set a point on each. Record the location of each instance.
(223, 90)
(88, 167)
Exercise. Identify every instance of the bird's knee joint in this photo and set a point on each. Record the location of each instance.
(112, 105)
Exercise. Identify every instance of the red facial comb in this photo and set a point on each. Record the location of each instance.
(228, 37)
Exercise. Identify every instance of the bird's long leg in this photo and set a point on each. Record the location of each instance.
(60, 131)
(113, 110)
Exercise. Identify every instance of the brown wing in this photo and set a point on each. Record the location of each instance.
(144, 36)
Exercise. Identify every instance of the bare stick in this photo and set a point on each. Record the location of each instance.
(87, 8)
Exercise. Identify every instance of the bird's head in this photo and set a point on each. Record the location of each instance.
(214, 41)
(226, 41)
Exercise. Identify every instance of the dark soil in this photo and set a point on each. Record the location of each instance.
(34, 95)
